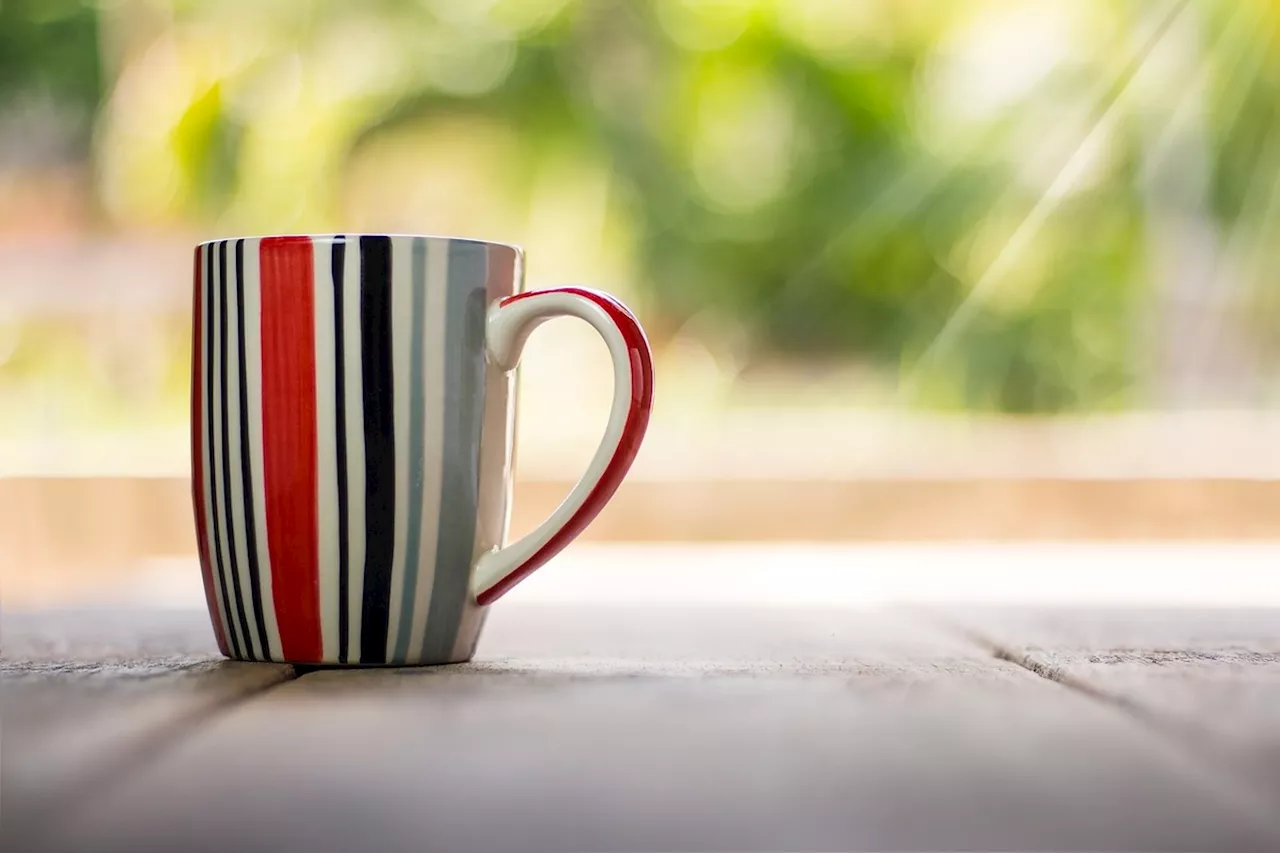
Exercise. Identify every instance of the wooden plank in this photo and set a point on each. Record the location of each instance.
(72, 528)
(85, 695)
(1209, 677)
(674, 728)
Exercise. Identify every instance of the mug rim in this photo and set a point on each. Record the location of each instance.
(330, 236)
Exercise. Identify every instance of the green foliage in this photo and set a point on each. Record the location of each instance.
(49, 49)
(206, 140)
(784, 175)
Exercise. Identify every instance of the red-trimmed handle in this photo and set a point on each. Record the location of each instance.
(508, 327)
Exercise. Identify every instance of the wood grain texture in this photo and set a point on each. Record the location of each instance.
(86, 695)
(1210, 677)
(673, 728)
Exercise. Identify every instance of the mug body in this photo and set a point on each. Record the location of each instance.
(351, 444)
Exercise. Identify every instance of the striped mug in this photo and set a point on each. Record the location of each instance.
(352, 411)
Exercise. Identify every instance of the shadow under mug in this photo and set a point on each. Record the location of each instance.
(352, 416)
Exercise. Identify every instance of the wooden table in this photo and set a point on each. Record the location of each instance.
(658, 725)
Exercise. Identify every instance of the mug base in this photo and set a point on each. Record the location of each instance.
(467, 639)
(318, 666)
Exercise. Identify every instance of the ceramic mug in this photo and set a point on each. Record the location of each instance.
(352, 412)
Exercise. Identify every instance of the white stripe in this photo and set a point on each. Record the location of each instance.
(253, 361)
(354, 409)
(235, 498)
(326, 448)
(401, 333)
(206, 434)
(216, 473)
(433, 378)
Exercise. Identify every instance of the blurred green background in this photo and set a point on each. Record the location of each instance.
(941, 205)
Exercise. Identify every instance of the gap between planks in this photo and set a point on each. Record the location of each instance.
(1182, 738)
(1179, 738)
(147, 750)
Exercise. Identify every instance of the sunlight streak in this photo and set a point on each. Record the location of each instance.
(1107, 111)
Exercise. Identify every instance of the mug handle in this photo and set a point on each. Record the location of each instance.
(508, 326)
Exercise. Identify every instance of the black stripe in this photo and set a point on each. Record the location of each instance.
(246, 469)
(213, 474)
(379, 444)
(226, 458)
(340, 416)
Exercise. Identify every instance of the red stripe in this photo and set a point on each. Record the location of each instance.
(197, 456)
(628, 446)
(289, 441)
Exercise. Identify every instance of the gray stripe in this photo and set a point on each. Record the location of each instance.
(413, 536)
(460, 456)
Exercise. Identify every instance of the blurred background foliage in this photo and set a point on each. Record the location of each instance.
(971, 205)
